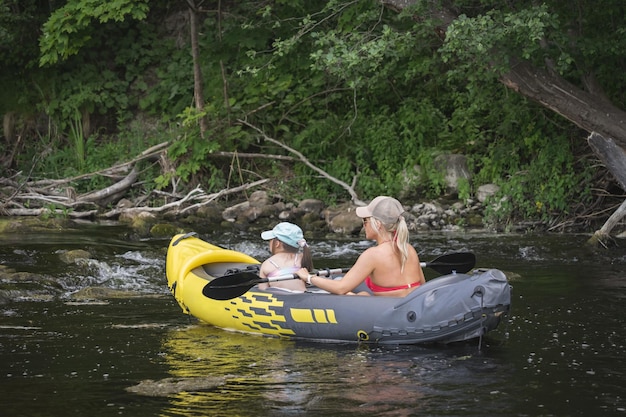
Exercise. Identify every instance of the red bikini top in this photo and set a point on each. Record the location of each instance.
(378, 288)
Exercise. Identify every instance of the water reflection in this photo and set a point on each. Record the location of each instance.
(279, 377)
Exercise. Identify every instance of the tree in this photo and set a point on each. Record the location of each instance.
(382, 86)
(198, 90)
(562, 59)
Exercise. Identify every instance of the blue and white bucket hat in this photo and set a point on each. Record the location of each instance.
(287, 233)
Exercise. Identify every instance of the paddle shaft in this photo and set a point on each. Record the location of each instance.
(461, 262)
(240, 282)
(320, 273)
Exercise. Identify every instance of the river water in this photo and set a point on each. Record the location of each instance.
(559, 353)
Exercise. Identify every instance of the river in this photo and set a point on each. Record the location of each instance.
(559, 353)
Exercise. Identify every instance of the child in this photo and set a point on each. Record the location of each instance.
(290, 252)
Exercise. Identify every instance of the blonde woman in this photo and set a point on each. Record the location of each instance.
(392, 267)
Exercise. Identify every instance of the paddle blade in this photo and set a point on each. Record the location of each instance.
(231, 286)
(461, 262)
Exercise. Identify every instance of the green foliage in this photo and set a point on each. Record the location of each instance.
(360, 90)
(78, 140)
(482, 45)
(18, 52)
(168, 94)
(192, 153)
(52, 211)
(465, 189)
(71, 27)
(539, 180)
(17, 20)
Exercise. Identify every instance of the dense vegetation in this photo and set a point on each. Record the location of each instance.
(361, 90)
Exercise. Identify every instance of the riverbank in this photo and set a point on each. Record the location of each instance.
(23, 278)
(261, 211)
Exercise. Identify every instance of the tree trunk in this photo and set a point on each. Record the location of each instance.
(198, 86)
(588, 111)
(613, 156)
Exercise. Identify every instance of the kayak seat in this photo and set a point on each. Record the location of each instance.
(218, 269)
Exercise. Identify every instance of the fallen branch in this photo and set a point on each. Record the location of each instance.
(253, 155)
(108, 192)
(196, 194)
(603, 235)
(303, 159)
(113, 171)
(51, 212)
(221, 193)
(190, 195)
(614, 158)
(49, 193)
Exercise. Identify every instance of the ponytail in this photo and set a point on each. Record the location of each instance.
(307, 258)
(401, 240)
(400, 232)
(303, 247)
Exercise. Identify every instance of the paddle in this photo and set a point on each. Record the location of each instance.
(234, 285)
(461, 262)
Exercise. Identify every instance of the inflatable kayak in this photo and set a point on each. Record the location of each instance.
(218, 286)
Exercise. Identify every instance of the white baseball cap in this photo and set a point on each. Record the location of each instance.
(386, 209)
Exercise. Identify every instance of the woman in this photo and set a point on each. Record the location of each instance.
(392, 267)
(290, 253)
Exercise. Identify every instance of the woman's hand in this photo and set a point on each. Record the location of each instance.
(303, 274)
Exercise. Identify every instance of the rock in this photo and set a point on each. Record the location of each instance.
(27, 285)
(310, 218)
(211, 212)
(250, 215)
(11, 225)
(98, 293)
(346, 223)
(427, 208)
(71, 256)
(411, 180)
(454, 167)
(474, 220)
(170, 386)
(458, 206)
(486, 191)
(311, 206)
(232, 213)
(124, 203)
(139, 221)
(259, 199)
(164, 230)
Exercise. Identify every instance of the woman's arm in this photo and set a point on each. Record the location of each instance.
(363, 266)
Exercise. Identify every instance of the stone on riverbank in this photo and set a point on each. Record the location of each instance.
(71, 256)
